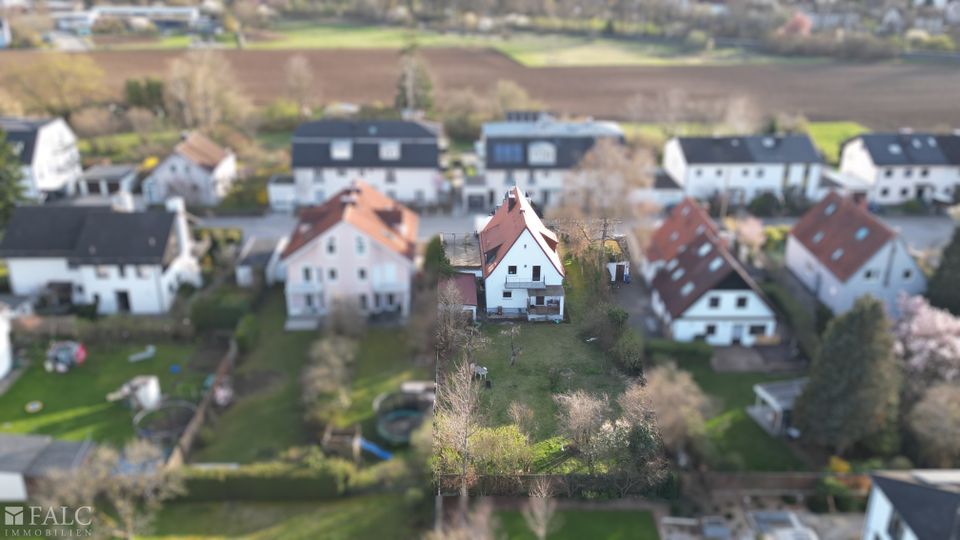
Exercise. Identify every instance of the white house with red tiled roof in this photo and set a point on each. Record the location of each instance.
(522, 271)
(686, 221)
(357, 248)
(841, 252)
(199, 170)
(703, 292)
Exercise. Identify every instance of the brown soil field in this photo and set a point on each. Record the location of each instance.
(887, 95)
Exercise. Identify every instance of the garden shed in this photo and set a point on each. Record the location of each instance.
(773, 408)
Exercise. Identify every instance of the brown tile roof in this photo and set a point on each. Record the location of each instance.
(687, 220)
(466, 284)
(841, 234)
(704, 264)
(378, 216)
(199, 149)
(513, 217)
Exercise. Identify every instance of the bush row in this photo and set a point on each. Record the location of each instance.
(695, 350)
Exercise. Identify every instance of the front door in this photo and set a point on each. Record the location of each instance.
(539, 300)
(123, 302)
(737, 333)
(620, 270)
(536, 273)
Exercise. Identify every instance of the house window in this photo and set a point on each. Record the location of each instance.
(746, 172)
(306, 273)
(714, 301)
(719, 172)
(103, 272)
(924, 172)
(904, 192)
(741, 301)
(341, 150)
(122, 271)
(711, 329)
(698, 172)
(508, 294)
(759, 173)
(888, 173)
(331, 246)
(362, 273)
(341, 172)
(508, 153)
(143, 271)
(512, 270)
(884, 192)
(391, 176)
(895, 526)
(363, 302)
(870, 274)
(390, 299)
(317, 176)
(361, 246)
(907, 274)
(332, 274)
(390, 150)
(757, 330)
(308, 300)
(907, 173)
(542, 153)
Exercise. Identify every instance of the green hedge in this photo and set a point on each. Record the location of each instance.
(262, 481)
(799, 319)
(248, 333)
(694, 350)
(221, 310)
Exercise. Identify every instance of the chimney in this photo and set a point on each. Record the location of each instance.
(511, 200)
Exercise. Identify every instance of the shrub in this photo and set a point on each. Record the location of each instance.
(629, 352)
(221, 310)
(764, 205)
(605, 322)
(695, 350)
(270, 481)
(281, 115)
(247, 333)
(697, 40)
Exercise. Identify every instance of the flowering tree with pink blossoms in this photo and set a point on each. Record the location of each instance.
(928, 344)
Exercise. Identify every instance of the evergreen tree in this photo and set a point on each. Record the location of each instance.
(942, 290)
(854, 387)
(11, 190)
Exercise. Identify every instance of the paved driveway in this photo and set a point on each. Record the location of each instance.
(634, 297)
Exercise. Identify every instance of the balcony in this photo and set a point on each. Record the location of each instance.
(514, 282)
(552, 309)
(305, 287)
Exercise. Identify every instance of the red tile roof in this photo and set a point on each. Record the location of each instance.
(841, 234)
(513, 217)
(687, 220)
(702, 265)
(201, 150)
(466, 284)
(378, 216)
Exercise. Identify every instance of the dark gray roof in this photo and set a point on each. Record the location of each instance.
(114, 172)
(281, 179)
(35, 455)
(89, 235)
(257, 251)
(930, 511)
(752, 149)
(569, 151)
(663, 180)
(912, 148)
(419, 143)
(23, 131)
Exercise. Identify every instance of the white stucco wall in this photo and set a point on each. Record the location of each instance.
(386, 273)
(56, 161)
(877, 518)
(892, 185)
(408, 185)
(524, 254)
(729, 321)
(177, 175)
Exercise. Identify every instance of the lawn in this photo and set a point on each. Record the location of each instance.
(75, 405)
(580, 524)
(379, 517)
(739, 443)
(127, 147)
(267, 416)
(828, 136)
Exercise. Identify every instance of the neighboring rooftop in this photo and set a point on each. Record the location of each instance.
(201, 150)
(378, 216)
(22, 133)
(466, 285)
(508, 223)
(313, 144)
(686, 221)
(257, 251)
(750, 149)
(782, 393)
(90, 235)
(912, 148)
(927, 500)
(842, 234)
(112, 172)
(463, 250)
(35, 455)
(536, 125)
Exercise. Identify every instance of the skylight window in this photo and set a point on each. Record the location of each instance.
(672, 264)
(837, 253)
(678, 273)
(861, 233)
(895, 149)
(831, 208)
(704, 249)
(687, 288)
(716, 263)
(818, 237)
(700, 229)
(685, 211)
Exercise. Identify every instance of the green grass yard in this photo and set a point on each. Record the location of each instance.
(581, 524)
(75, 404)
(828, 136)
(378, 517)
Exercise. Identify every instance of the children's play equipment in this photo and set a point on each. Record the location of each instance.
(62, 356)
(400, 413)
(149, 352)
(141, 393)
(164, 424)
(348, 443)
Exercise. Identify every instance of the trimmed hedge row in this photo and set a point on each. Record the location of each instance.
(263, 481)
(247, 333)
(221, 310)
(694, 350)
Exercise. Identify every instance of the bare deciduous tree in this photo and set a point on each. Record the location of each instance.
(128, 490)
(300, 86)
(450, 319)
(345, 319)
(581, 415)
(510, 96)
(202, 91)
(521, 415)
(541, 508)
(679, 403)
(513, 332)
(477, 525)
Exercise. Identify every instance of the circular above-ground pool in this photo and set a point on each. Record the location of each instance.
(396, 426)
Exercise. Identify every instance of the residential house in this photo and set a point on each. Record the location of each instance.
(534, 152)
(48, 154)
(122, 262)
(25, 459)
(743, 167)
(258, 262)
(841, 252)
(913, 505)
(685, 222)
(703, 292)
(358, 247)
(522, 271)
(199, 170)
(400, 158)
(6, 37)
(899, 167)
(109, 179)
